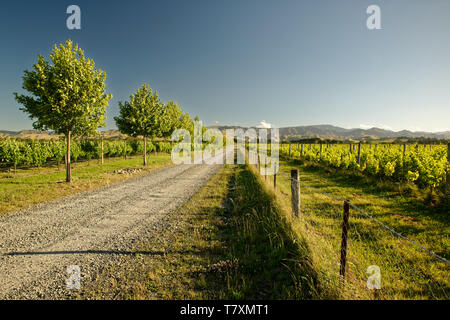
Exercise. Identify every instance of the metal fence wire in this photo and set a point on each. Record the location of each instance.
(380, 262)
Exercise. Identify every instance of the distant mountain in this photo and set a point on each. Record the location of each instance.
(333, 132)
(29, 134)
(326, 131)
(8, 133)
(35, 134)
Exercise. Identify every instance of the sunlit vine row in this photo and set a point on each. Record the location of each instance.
(18, 152)
(424, 165)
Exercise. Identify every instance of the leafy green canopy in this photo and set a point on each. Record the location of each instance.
(145, 115)
(68, 92)
(175, 118)
(142, 115)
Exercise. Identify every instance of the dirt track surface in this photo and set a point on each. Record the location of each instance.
(88, 230)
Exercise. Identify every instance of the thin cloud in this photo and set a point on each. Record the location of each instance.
(370, 126)
(264, 125)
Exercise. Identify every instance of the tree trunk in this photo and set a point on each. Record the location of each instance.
(102, 150)
(68, 169)
(145, 151)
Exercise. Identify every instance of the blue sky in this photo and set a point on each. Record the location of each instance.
(240, 62)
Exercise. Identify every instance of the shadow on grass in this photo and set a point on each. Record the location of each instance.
(271, 261)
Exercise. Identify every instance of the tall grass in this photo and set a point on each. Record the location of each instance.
(274, 259)
(406, 272)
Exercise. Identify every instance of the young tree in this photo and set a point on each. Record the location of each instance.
(172, 116)
(142, 116)
(175, 118)
(68, 94)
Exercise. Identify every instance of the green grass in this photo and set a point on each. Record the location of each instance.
(407, 273)
(34, 185)
(273, 261)
(230, 241)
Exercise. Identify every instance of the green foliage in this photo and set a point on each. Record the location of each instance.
(163, 147)
(58, 149)
(68, 93)
(10, 151)
(143, 115)
(76, 151)
(37, 153)
(175, 118)
(389, 169)
(424, 165)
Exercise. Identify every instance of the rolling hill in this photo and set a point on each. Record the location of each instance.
(286, 133)
(338, 133)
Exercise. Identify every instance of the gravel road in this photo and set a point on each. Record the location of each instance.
(88, 230)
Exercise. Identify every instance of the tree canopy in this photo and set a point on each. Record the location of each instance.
(68, 92)
(143, 115)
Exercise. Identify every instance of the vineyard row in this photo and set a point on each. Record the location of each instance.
(16, 152)
(427, 166)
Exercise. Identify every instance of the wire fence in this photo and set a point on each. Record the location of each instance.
(379, 262)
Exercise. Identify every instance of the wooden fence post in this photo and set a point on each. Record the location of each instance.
(359, 152)
(295, 192)
(265, 169)
(320, 155)
(275, 175)
(258, 165)
(344, 238)
(301, 152)
(351, 148)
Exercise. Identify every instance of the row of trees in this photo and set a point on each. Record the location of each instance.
(145, 115)
(68, 96)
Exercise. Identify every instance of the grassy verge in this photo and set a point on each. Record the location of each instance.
(35, 185)
(230, 241)
(407, 273)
